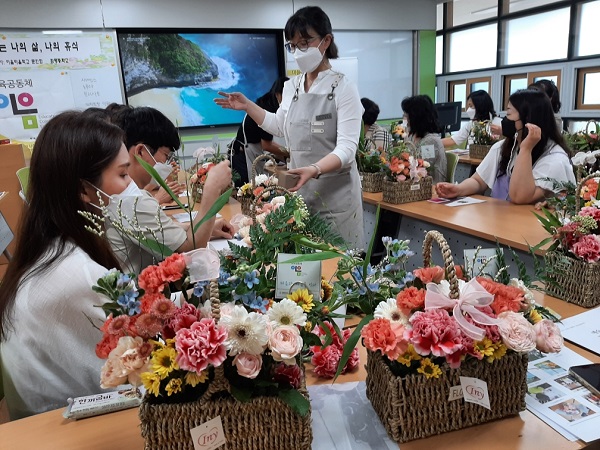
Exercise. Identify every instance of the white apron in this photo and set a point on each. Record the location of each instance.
(311, 131)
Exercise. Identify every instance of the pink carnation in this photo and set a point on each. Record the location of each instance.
(173, 267)
(434, 331)
(354, 357)
(587, 248)
(381, 334)
(326, 360)
(590, 211)
(200, 345)
(151, 280)
(291, 375)
(183, 317)
(433, 274)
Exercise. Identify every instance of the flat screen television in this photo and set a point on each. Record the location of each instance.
(449, 116)
(180, 72)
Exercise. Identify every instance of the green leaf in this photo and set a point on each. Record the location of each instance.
(241, 394)
(306, 242)
(160, 181)
(155, 246)
(215, 208)
(311, 339)
(295, 400)
(351, 344)
(320, 256)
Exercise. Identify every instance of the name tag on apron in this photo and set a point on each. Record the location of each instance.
(324, 116)
(428, 152)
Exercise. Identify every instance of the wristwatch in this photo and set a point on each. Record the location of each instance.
(318, 171)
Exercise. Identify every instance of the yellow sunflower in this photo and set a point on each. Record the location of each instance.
(499, 352)
(484, 347)
(151, 382)
(193, 378)
(174, 386)
(326, 289)
(535, 316)
(303, 299)
(429, 369)
(409, 356)
(163, 361)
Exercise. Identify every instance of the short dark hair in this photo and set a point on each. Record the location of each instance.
(307, 18)
(422, 116)
(550, 89)
(146, 125)
(268, 101)
(371, 111)
(484, 106)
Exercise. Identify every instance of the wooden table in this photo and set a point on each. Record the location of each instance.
(121, 430)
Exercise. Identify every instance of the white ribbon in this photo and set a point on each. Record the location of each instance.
(471, 296)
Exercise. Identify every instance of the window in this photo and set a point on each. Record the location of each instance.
(474, 48)
(459, 90)
(540, 37)
(439, 24)
(520, 5)
(515, 82)
(588, 88)
(439, 54)
(467, 11)
(588, 38)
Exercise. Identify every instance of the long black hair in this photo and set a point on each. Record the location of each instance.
(551, 91)
(72, 148)
(484, 106)
(534, 107)
(268, 100)
(422, 116)
(307, 18)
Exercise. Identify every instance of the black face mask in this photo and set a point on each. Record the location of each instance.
(508, 127)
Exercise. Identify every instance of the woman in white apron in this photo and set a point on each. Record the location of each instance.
(320, 117)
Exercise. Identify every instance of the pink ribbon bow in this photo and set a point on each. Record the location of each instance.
(471, 297)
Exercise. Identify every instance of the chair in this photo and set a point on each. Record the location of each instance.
(23, 176)
(452, 162)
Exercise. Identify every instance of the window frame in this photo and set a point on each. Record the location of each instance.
(530, 77)
(468, 82)
(581, 72)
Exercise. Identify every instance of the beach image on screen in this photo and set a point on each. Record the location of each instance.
(181, 73)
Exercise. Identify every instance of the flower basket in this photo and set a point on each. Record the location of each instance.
(407, 191)
(573, 280)
(371, 182)
(478, 151)
(247, 202)
(413, 406)
(261, 424)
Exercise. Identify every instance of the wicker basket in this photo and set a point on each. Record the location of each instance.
(407, 191)
(247, 202)
(478, 151)
(264, 423)
(571, 279)
(371, 182)
(414, 407)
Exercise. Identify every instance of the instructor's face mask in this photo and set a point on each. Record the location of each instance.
(310, 59)
(163, 169)
(471, 113)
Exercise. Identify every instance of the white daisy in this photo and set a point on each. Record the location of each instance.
(389, 310)
(286, 312)
(247, 332)
(260, 179)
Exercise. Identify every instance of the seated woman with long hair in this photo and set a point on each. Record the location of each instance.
(46, 298)
(519, 167)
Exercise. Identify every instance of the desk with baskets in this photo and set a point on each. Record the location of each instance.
(121, 430)
(463, 227)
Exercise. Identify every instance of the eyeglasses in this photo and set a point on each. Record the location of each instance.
(302, 45)
(171, 156)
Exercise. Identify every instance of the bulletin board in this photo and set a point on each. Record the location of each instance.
(44, 74)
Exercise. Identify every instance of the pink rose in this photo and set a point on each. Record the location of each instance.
(285, 343)
(200, 345)
(248, 365)
(548, 338)
(516, 331)
(587, 248)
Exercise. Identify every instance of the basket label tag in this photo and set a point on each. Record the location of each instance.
(456, 393)
(475, 391)
(415, 187)
(209, 435)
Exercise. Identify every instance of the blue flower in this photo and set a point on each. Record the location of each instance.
(251, 279)
(123, 281)
(223, 277)
(128, 302)
(407, 279)
(199, 288)
(252, 301)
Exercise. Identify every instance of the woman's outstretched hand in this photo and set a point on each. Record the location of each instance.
(232, 100)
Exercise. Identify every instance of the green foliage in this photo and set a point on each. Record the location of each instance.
(481, 133)
(176, 56)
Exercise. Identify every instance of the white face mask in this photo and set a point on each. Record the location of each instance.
(125, 198)
(163, 169)
(471, 113)
(310, 59)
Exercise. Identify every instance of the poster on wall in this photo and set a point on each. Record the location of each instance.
(42, 75)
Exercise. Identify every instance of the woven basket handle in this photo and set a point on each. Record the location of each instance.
(269, 189)
(587, 126)
(580, 187)
(220, 383)
(446, 254)
(259, 158)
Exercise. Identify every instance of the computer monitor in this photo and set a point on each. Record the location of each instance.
(449, 116)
